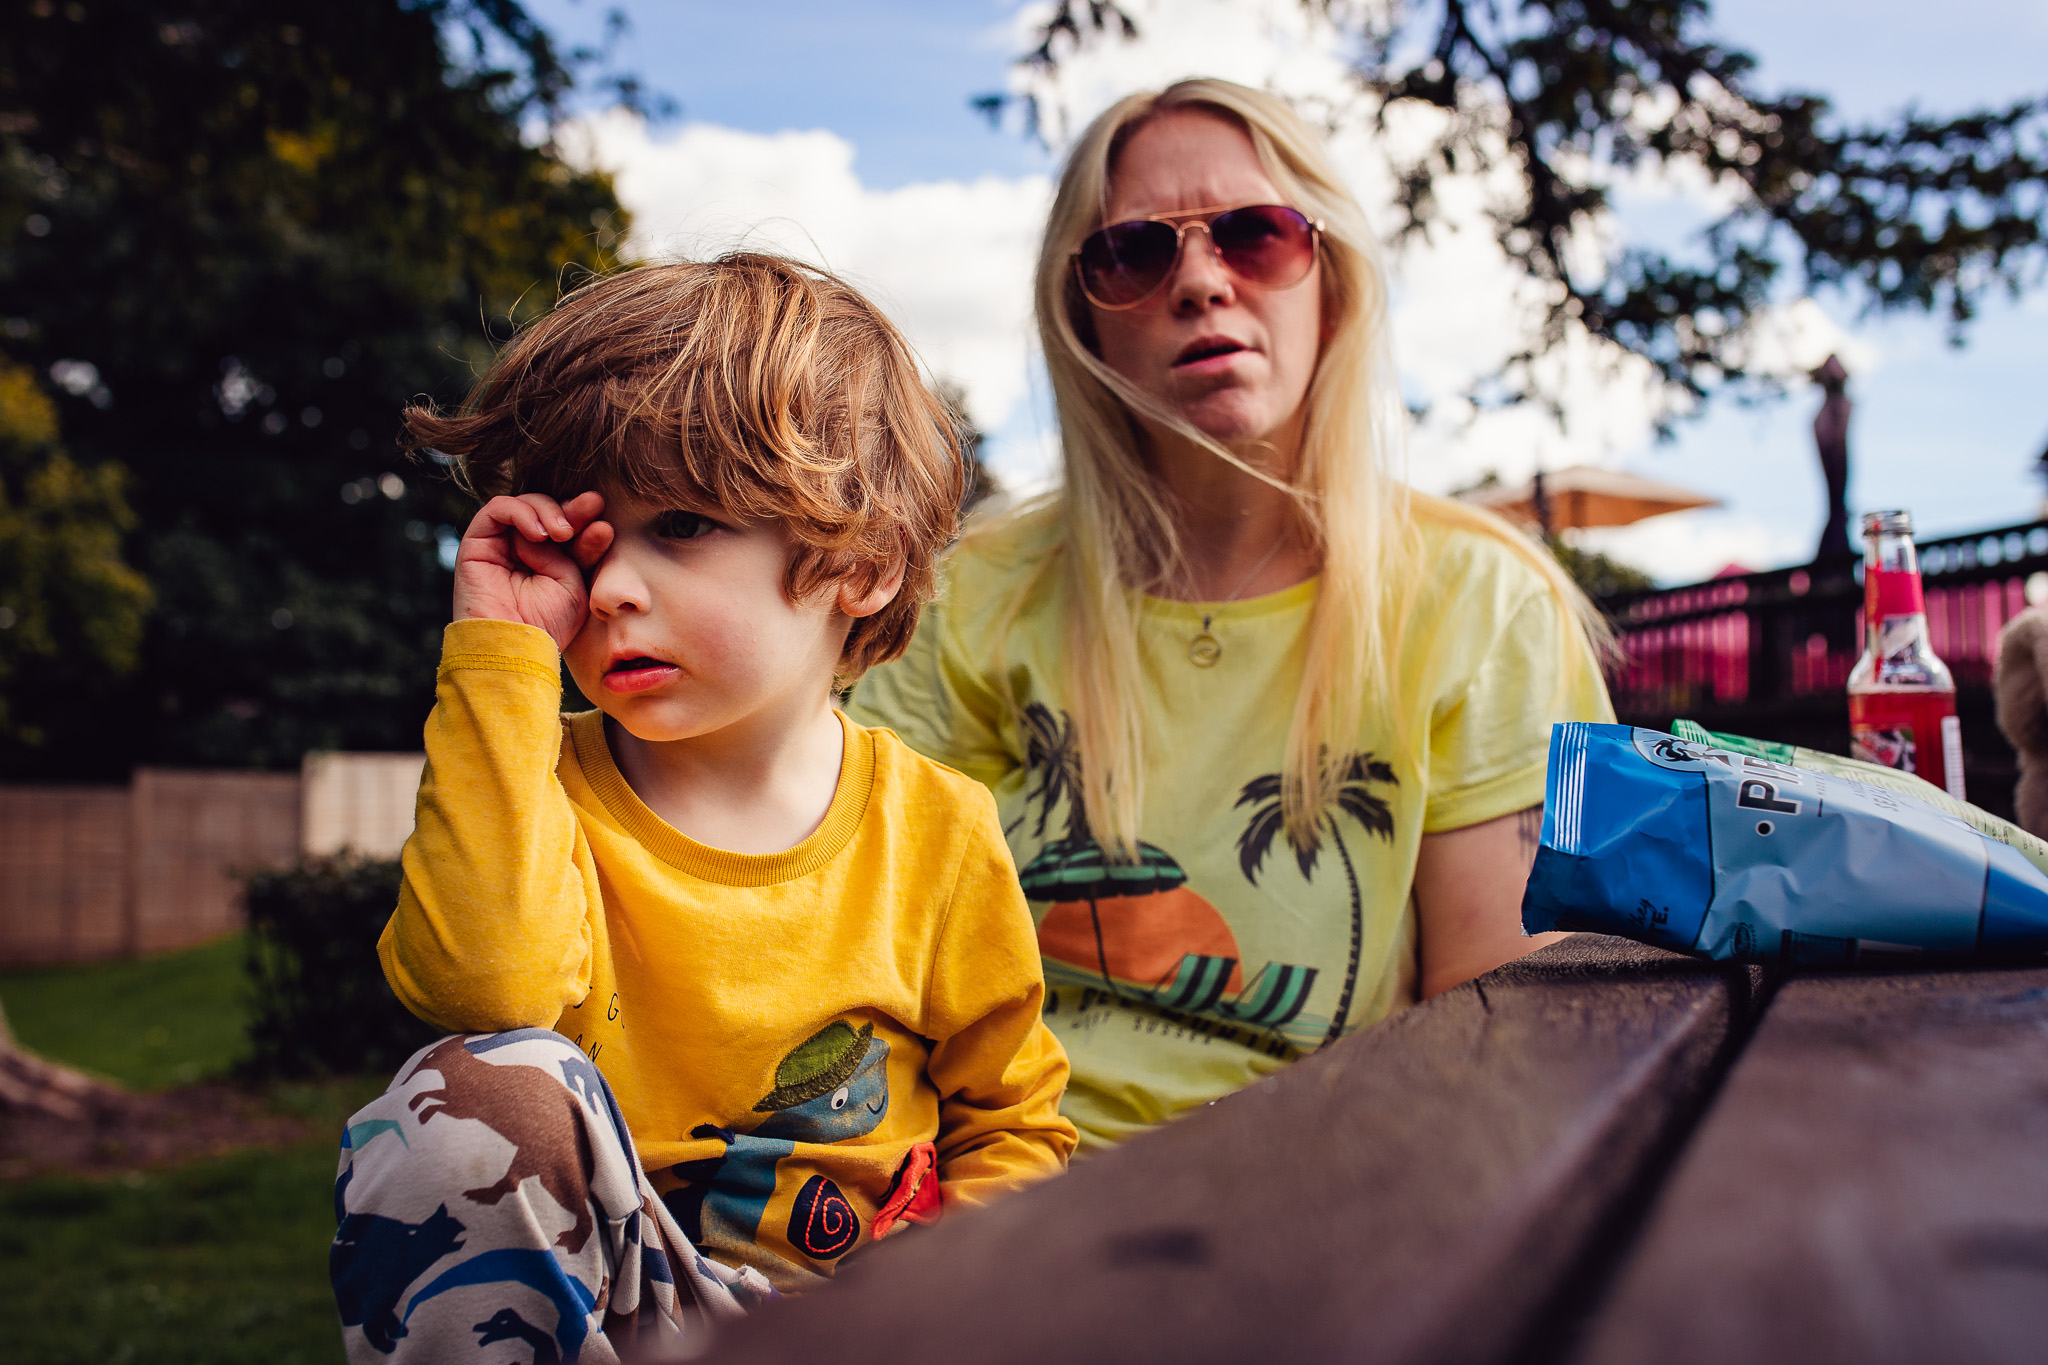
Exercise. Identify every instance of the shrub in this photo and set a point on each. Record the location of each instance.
(321, 1005)
(1599, 575)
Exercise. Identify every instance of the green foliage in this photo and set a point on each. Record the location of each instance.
(321, 1003)
(150, 1022)
(1916, 212)
(246, 233)
(1599, 575)
(69, 605)
(223, 1262)
(1912, 212)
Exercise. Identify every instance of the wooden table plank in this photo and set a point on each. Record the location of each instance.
(1418, 1192)
(1870, 1185)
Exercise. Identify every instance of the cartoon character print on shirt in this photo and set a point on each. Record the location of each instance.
(832, 1087)
(1140, 932)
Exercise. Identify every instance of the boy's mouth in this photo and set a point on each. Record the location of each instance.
(638, 673)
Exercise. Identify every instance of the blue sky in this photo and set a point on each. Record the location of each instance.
(894, 77)
(1950, 434)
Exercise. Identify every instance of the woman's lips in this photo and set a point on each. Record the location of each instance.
(637, 675)
(1207, 356)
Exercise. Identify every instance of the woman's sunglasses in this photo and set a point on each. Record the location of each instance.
(1269, 245)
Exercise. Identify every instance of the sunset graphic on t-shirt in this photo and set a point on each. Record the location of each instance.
(1135, 926)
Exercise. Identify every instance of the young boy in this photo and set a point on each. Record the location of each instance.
(797, 952)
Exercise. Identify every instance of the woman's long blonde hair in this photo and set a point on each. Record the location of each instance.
(1118, 537)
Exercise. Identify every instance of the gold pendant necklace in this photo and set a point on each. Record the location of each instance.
(1205, 649)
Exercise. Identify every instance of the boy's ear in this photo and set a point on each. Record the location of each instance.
(854, 603)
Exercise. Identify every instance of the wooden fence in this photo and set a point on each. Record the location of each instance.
(358, 801)
(88, 873)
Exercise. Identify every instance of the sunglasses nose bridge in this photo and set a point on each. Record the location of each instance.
(1180, 251)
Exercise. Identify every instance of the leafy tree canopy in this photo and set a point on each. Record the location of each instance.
(237, 236)
(982, 483)
(1914, 212)
(1599, 575)
(69, 604)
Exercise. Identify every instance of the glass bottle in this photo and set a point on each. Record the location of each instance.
(1902, 701)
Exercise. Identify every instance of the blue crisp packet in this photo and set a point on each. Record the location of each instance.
(1731, 856)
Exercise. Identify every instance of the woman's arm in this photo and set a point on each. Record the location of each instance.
(1468, 898)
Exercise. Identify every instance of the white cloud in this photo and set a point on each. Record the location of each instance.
(1279, 45)
(1796, 339)
(1688, 547)
(950, 261)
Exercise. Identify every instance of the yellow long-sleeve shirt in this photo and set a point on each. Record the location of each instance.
(782, 1031)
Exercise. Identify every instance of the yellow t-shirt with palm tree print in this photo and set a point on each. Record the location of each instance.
(1224, 953)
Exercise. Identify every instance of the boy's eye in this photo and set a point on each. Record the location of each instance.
(676, 524)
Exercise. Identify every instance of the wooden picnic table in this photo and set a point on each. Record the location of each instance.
(1601, 1153)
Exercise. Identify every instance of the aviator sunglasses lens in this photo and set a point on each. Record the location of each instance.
(1267, 244)
(1124, 262)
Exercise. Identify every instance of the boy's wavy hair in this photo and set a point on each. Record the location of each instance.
(754, 385)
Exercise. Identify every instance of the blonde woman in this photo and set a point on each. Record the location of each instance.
(1266, 729)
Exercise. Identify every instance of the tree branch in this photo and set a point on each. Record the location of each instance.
(1915, 212)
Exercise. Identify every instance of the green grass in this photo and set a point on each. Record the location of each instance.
(222, 1262)
(150, 1023)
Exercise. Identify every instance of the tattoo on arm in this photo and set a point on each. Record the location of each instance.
(1529, 828)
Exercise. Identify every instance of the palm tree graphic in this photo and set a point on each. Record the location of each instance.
(1354, 797)
(1074, 866)
(1053, 755)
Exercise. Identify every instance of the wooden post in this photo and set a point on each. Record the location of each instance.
(140, 827)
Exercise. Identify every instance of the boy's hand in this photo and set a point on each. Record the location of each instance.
(522, 560)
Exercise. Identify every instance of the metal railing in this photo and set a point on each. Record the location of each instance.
(1769, 654)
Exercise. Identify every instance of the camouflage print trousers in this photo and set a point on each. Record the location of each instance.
(491, 1195)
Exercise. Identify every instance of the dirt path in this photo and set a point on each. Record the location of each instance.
(118, 1131)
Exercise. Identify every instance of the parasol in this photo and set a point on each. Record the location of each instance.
(1080, 870)
(1583, 495)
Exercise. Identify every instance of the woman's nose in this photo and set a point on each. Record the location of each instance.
(1201, 277)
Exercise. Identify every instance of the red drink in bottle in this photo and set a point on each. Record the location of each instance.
(1902, 701)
